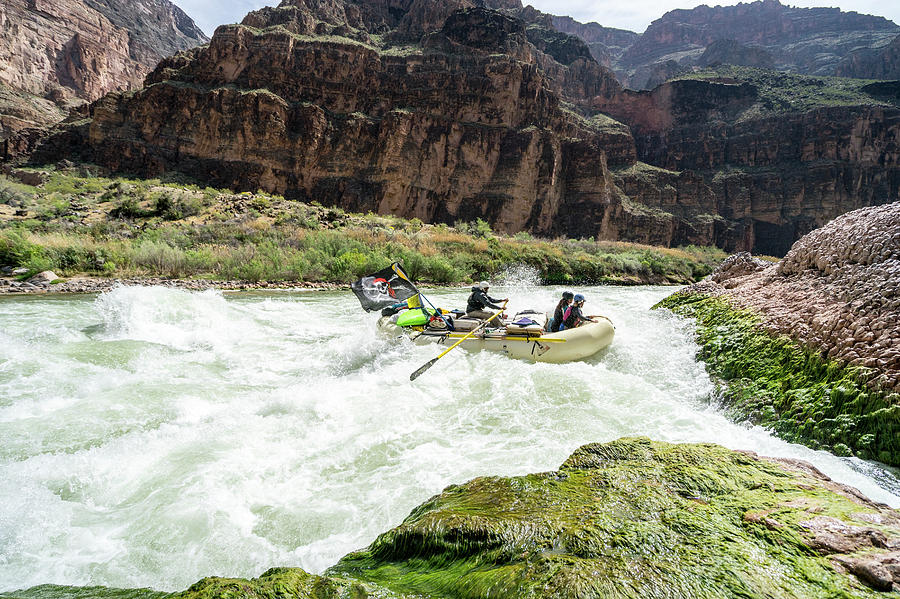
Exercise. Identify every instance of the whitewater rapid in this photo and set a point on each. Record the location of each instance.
(151, 437)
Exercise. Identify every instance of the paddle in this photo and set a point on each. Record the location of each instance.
(431, 362)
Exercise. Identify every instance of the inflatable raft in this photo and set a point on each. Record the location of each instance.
(521, 337)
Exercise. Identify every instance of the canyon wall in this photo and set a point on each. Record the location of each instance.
(66, 52)
(451, 111)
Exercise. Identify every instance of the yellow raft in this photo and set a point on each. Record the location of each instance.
(526, 343)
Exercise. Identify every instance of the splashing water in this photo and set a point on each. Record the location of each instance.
(152, 437)
(518, 279)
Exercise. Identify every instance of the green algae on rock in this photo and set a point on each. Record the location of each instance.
(54, 591)
(810, 345)
(277, 583)
(776, 382)
(636, 518)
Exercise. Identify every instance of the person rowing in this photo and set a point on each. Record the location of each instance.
(479, 302)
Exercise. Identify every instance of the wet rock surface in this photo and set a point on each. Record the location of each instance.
(808, 347)
(837, 290)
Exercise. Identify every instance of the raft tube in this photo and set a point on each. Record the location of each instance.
(566, 346)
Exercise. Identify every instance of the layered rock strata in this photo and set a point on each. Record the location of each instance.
(628, 519)
(607, 44)
(70, 51)
(810, 41)
(772, 171)
(470, 122)
(873, 63)
(447, 112)
(836, 297)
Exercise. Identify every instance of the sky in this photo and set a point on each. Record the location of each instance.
(631, 14)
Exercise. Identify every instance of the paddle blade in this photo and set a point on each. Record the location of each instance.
(422, 369)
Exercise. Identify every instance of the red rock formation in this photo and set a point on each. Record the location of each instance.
(464, 124)
(83, 49)
(774, 176)
(368, 106)
(837, 290)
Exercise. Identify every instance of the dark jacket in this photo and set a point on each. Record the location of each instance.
(574, 317)
(479, 300)
(558, 316)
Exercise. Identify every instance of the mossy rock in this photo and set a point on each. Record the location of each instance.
(633, 518)
(793, 390)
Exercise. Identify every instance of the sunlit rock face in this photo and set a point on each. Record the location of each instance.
(55, 54)
(85, 49)
(837, 290)
(415, 110)
(618, 519)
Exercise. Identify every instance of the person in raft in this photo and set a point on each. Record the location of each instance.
(574, 317)
(480, 301)
(554, 323)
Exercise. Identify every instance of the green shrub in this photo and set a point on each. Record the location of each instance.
(12, 195)
(16, 250)
(129, 207)
(172, 206)
(159, 257)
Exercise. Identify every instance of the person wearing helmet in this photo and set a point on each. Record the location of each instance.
(574, 317)
(480, 301)
(558, 314)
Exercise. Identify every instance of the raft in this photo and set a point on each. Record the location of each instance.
(529, 342)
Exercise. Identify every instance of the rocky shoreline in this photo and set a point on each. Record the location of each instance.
(810, 346)
(83, 285)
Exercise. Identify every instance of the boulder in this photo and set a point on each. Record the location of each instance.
(628, 519)
(43, 278)
(809, 346)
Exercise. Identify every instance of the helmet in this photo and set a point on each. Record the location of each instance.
(567, 295)
(579, 297)
(483, 285)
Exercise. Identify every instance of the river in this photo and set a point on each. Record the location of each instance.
(151, 436)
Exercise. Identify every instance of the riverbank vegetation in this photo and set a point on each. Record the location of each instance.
(801, 395)
(74, 222)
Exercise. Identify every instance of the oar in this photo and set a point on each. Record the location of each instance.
(431, 362)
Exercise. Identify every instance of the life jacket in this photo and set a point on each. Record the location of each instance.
(573, 315)
(479, 300)
(558, 317)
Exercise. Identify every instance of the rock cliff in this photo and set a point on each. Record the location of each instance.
(873, 63)
(67, 51)
(450, 111)
(607, 44)
(836, 298)
(469, 120)
(809, 41)
(747, 147)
